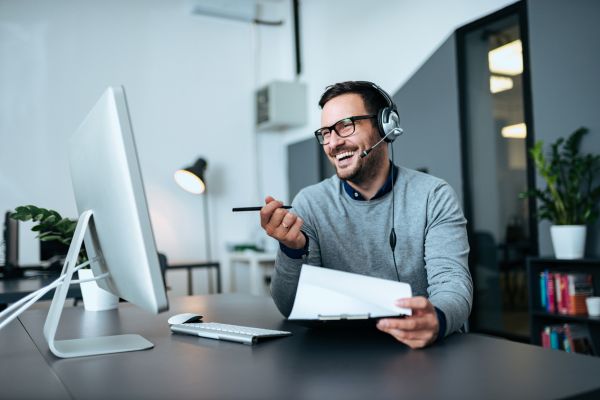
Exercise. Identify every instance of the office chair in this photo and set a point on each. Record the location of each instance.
(162, 260)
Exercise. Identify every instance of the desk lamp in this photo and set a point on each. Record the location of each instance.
(191, 179)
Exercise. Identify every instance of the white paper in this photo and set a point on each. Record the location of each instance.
(324, 293)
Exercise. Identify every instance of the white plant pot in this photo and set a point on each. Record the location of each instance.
(568, 241)
(95, 298)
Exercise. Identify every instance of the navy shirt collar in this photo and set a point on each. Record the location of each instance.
(385, 189)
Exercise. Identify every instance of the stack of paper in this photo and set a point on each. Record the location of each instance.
(325, 294)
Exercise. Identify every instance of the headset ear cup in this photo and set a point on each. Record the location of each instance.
(392, 124)
(388, 123)
(382, 119)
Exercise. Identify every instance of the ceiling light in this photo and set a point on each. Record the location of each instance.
(500, 83)
(517, 131)
(507, 59)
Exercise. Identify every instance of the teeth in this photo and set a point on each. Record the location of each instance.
(344, 154)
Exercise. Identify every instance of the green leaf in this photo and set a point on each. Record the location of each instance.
(38, 217)
(569, 197)
(50, 237)
(49, 219)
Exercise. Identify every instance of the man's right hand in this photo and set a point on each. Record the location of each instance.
(281, 224)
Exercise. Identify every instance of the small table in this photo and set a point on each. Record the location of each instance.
(255, 261)
(204, 264)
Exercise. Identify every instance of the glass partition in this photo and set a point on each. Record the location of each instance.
(495, 136)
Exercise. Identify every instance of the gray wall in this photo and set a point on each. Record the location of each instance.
(428, 107)
(307, 165)
(565, 63)
(303, 167)
(565, 67)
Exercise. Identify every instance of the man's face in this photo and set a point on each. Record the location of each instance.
(344, 153)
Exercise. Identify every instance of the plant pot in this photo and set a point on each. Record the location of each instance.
(568, 241)
(95, 298)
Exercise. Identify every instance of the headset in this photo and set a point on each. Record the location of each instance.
(388, 120)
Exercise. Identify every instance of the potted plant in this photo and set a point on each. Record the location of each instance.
(51, 226)
(572, 193)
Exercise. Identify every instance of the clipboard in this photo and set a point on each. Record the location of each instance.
(327, 297)
(343, 321)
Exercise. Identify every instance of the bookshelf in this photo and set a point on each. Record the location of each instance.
(540, 317)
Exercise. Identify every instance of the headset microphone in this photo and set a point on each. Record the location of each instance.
(394, 133)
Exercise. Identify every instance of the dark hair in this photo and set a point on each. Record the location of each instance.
(373, 99)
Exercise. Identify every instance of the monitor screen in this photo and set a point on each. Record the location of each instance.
(11, 242)
(106, 179)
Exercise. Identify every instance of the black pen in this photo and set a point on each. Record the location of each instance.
(238, 209)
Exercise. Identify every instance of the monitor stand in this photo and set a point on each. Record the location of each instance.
(83, 346)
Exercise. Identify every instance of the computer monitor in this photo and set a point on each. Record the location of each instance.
(11, 246)
(114, 223)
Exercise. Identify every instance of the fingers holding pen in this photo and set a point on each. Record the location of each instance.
(289, 220)
(272, 218)
(276, 223)
(281, 224)
(293, 237)
(266, 213)
(292, 224)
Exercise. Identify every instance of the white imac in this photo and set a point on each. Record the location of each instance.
(114, 222)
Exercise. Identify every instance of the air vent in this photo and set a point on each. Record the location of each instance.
(281, 105)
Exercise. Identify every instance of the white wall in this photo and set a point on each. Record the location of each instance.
(190, 81)
(383, 41)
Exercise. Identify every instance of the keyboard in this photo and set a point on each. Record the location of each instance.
(234, 333)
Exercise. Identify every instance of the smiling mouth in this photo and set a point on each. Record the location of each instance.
(343, 156)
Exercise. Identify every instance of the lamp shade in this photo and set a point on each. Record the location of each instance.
(191, 178)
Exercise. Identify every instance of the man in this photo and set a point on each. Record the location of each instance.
(343, 223)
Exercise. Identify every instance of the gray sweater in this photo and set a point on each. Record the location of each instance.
(351, 235)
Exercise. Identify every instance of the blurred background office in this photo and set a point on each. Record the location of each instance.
(192, 70)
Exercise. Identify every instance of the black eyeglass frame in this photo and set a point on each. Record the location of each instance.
(319, 132)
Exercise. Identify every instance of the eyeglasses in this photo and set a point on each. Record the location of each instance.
(343, 128)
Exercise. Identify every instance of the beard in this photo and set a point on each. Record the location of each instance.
(362, 169)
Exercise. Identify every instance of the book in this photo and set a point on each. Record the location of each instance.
(546, 337)
(551, 305)
(565, 293)
(579, 339)
(563, 296)
(543, 284)
(579, 287)
(555, 340)
(572, 338)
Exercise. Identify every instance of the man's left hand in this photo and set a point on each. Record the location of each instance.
(416, 331)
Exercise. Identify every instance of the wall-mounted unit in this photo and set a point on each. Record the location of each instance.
(280, 105)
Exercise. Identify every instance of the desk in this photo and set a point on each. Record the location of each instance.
(12, 289)
(190, 265)
(255, 261)
(24, 374)
(311, 364)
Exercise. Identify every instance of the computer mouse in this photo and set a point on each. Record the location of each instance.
(184, 318)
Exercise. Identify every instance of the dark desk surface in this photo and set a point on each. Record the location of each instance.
(12, 289)
(24, 374)
(311, 364)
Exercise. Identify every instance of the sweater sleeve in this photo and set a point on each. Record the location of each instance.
(284, 281)
(450, 287)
